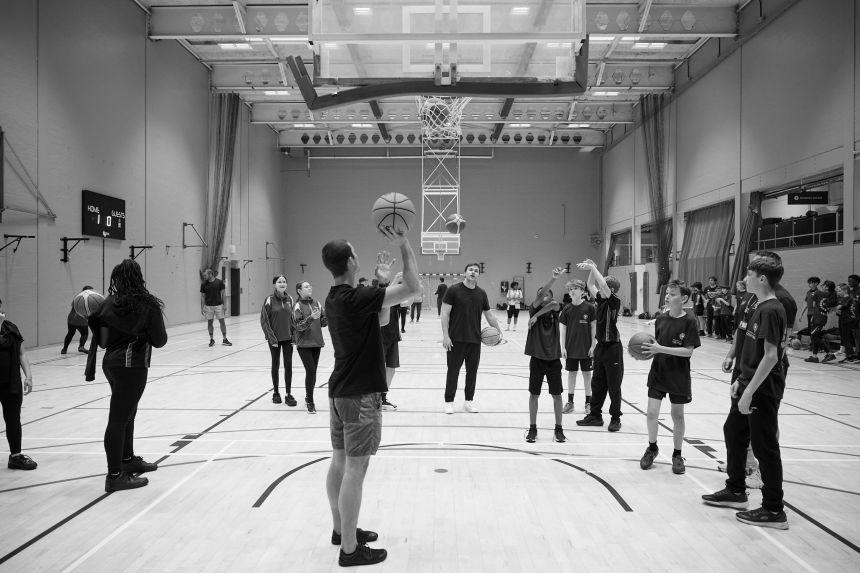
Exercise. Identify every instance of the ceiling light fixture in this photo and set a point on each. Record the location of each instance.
(576, 125)
(520, 10)
(630, 38)
(649, 45)
(305, 125)
(240, 46)
(254, 39)
(602, 93)
(276, 93)
(364, 125)
(362, 11)
(521, 125)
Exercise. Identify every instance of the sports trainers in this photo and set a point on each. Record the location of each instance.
(363, 555)
(137, 465)
(124, 481)
(587, 408)
(590, 420)
(568, 408)
(361, 536)
(290, 401)
(559, 436)
(678, 466)
(812, 358)
(829, 357)
(763, 518)
(614, 425)
(721, 466)
(83, 350)
(726, 498)
(753, 479)
(448, 408)
(648, 458)
(226, 342)
(388, 406)
(531, 435)
(276, 398)
(311, 408)
(64, 351)
(211, 342)
(470, 406)
(21, 462)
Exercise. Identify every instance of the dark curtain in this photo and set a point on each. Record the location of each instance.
(748, 236)
(223, 118)
(654, 128)
(708, 235)
(610, 254)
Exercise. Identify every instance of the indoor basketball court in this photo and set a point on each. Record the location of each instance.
(510, 141)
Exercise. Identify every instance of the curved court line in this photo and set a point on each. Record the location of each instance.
(602, 482)
(278, 481)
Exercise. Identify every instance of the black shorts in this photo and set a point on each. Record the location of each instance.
(575, 364)
(392, 355)
(551, 369)
(513, 311)
(673, 398)
(699, 311)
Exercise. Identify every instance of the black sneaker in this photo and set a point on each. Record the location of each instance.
(727, 498)
(63, 351)
(211, 342)
(648, 458)
(82, 350)
(590, 420)
(763, 518)
(388, 406)
(614, 425)
(311, 408)
(226, 342)
(812, 358)
(361, 536)
(124, 481)
(559, 436)
(290, 401)
(137, 465)
(276, 398)
(21, 462)
(678, 465)
(363, 555)
(531, 435)
(829, 357)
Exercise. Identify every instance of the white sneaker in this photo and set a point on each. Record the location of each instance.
(448, 408)
(469, 406)
(754, 479)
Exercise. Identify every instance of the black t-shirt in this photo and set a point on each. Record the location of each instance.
(353, 323)
(577, 319)
(391, 331)
(671, 374)
(542, 340)
(698, 301)
(607, 318)
(741, 308)
(440, 290)
(788, 304)
(768, 323)
(10, 358)
(810, 302)
(212, 292)
(467, 304)
(710, 293)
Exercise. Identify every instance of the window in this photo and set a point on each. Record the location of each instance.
(786, 226)
(648, 241)
(621, 245)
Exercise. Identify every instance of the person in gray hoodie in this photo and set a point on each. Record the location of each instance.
(279, 326)
(310, 319)
(128, 325)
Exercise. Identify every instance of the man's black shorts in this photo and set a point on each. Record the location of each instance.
(673, 398)
(575, 364)
(392, 355)
(551, 369)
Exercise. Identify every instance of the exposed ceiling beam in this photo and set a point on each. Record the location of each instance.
(377, 113)
(643, 14)
(239, 10)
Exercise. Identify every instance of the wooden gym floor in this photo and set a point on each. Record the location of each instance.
(240, 485)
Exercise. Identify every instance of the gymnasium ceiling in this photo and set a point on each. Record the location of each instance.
(634, 47)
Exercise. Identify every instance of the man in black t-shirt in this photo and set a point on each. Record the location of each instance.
(440, 295)
(356, 383)
(542, 344)
(709, 293)
(461, 334)
(212, 305)
(390, 343)
(756, 396)
(608, 353)
(577, 329)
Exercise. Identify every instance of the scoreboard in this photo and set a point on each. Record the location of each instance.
(103, 216)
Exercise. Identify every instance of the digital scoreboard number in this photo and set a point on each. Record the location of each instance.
(103, 216)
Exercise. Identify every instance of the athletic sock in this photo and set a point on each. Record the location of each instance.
(384, 396)
(570, 397)
(676, 453)
(588, 399)
(652, 446)
(557, 427)
(533, 427)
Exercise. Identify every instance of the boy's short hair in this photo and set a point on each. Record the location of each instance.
(697, 285)
(854, 277)
(830, 285)
(577, 283)
(613, 283)
(476, 265)
(767, 267)
(712, 278)
(682, 288)
(515, 284)
(335, 255)
(768, 255)
(816, 280)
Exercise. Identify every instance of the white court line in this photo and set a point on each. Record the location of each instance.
(383, 454)
(767, 535)
(140, 514)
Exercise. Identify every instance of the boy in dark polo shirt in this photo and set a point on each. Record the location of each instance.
(577, 328)
(212, 305)
(542, 344)
(461, 334)
(608, 353)
(356, 384)
(677, 334)
(756, 396)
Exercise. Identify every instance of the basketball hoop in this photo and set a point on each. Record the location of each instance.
(440, 255)
(440, 118)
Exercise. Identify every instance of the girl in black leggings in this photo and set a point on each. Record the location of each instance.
(310, 319)
(276, 319)
(76, 323)
(129, 324)
(13, 359)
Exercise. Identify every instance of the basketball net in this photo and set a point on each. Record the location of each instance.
(440, 117)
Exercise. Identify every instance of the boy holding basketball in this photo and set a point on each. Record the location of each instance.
(677, 335)
(542, 344)
(577, 332)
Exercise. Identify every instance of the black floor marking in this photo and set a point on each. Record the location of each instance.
(602, 481)
(278, 481)
(822, 527)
